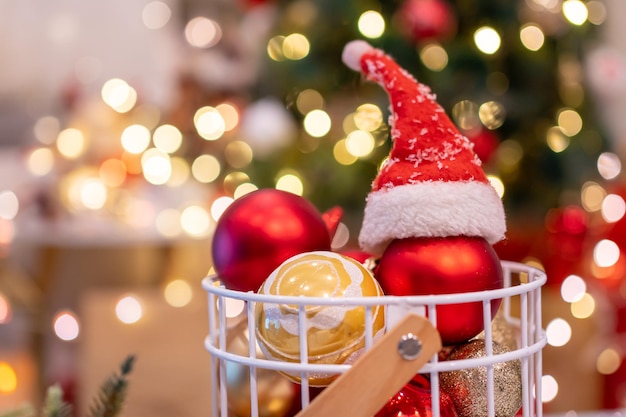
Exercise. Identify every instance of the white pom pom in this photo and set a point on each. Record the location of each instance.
(352, 53)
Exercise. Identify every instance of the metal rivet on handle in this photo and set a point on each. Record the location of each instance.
(409, 346)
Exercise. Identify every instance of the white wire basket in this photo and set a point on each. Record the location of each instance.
(520, 309)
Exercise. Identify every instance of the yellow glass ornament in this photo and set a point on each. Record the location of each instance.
(334, 333)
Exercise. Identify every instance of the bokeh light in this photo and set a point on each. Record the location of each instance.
(492, 114)
(613, 208)
(66, 326)
(113, 172)
(40, 161)
(9, 205)
(195, 221)
(570, 122)
(156, 14)
(592, 195)
(71, 143)
(290, 183)
(205, 168)
(556, 139)
(434, 57)
(8, 378)
(178, 293)
(359, 143)
(128, 310)
(583, 308)
(203, 32)
(609, 165)
(46, 129)
(295, 46)
(549, 388)
(167, 138)
(209, 123)
(317, 123)
(487, 40)
(606, 253)
(135, 138)
(156, 166)
(5, 309)
(558, 332)
(532, 37)
(367, 117)
(371, 24)
(230, 114)
(609, 361)
(119, 95)
(573, 288)
(309, 100)
(219, 206)
(575, 11)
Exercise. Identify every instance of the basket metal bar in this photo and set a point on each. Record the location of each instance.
(221, 310)
(214, 359)
(254, 395)
(304, 354)
(489, 353)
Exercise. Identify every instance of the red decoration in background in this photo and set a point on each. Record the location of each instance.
(261, 230)
(423, 20)
(485, 144)
(415, 400)
(450, 265)
(332, 218)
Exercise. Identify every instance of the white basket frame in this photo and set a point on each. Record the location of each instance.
(532, 337)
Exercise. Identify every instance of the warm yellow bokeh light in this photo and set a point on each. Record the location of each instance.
(309, 100)
(156, 166)
(275, 48)
(532, 37)
(40, 161)
(317, 123)
(206, 168)
(296, 46)
(583, 308)
(492, 114)
(71, 143)
(230, 114)
(609, 361)
(371, 24)
(209, 123)
(359, 143)
(167, 138)
(135, 138)
(487, 40)
(368, 117)
(243, 189)
(592, 194)
(556, 139)
(178, 293)
(558, 332)
(497, 185)
(573, 289)
(570, 122)
(119, 95)
(8, 378)
(219, 206)
(93, 193)
(434, 57)
(113, 172)
(202, 32)
(290, 183)
(180, 171)
(195, 221)
(341, 154)
(549, 388)
(575, 11)
(238, 154)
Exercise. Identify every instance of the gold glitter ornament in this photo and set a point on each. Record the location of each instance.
(468, 387)
(334, 333)
(502, 332)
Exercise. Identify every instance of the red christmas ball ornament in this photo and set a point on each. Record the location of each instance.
(415, 400)
(423, 20)
(485, 144)
(444, 265)
(261, 230)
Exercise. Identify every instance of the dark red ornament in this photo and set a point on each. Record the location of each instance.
(423, 20)
(415, 400)
(260, 231)
(485, 144)
(444, 265)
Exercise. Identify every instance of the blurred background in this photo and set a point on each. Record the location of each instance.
(127, 127)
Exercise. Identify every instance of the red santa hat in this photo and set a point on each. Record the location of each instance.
(432, 184)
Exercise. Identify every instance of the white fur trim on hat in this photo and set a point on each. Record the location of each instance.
(430, 209)
(352, 53)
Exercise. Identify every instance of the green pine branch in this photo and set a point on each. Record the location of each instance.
(55, 405)
(110, 399)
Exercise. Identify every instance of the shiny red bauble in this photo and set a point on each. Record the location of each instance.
(261, 230)
(444, 265)
(415, 400)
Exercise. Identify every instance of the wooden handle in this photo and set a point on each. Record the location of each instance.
(380, 373)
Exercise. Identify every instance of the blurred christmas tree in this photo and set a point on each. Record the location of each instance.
(510, 73)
